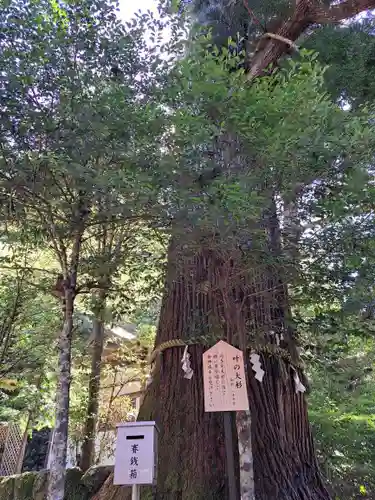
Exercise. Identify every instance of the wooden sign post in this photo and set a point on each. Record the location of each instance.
(225, 390)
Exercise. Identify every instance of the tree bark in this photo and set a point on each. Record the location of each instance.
(88, 446)
(284, 457)
(56, 483)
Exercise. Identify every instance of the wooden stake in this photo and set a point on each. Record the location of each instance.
(245, 449)
(229, 452)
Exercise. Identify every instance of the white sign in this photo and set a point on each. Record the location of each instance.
(136, 453)
(224, 379)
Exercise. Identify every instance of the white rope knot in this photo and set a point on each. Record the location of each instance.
(280, 38)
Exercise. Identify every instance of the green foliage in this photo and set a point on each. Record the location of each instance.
(286, 127)
(349, 51)
(75, 156)
(73, 132)
(343, 414)
(29, 325)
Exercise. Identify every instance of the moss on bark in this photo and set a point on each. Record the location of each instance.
(7, 488)
(33, 485)
(23, 489)
(74, 489)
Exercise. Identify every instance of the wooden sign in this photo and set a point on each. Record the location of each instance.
(224, 379)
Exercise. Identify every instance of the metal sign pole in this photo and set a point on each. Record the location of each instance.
(136, 492)
(229, 452)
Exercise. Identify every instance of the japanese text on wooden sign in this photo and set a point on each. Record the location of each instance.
(224, 379)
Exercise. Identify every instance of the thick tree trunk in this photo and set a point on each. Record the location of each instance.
(88, 446)
(191, 451)
(60, 436)
(208, 295)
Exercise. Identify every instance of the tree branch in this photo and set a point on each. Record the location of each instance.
(306, 14)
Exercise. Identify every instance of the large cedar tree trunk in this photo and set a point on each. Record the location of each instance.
(224, 295)
(56, 481)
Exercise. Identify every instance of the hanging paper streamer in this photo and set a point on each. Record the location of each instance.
(279, 338)
(186, 367)
(298, 384)
(149, 381)
(255, 361)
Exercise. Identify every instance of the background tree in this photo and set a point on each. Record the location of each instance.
(116, 254)
(71, 134)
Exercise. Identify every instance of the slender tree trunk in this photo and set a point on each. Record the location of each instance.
(104, 436)
(88, 447)
(56, 480)
(56, 483)
(23, 444)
